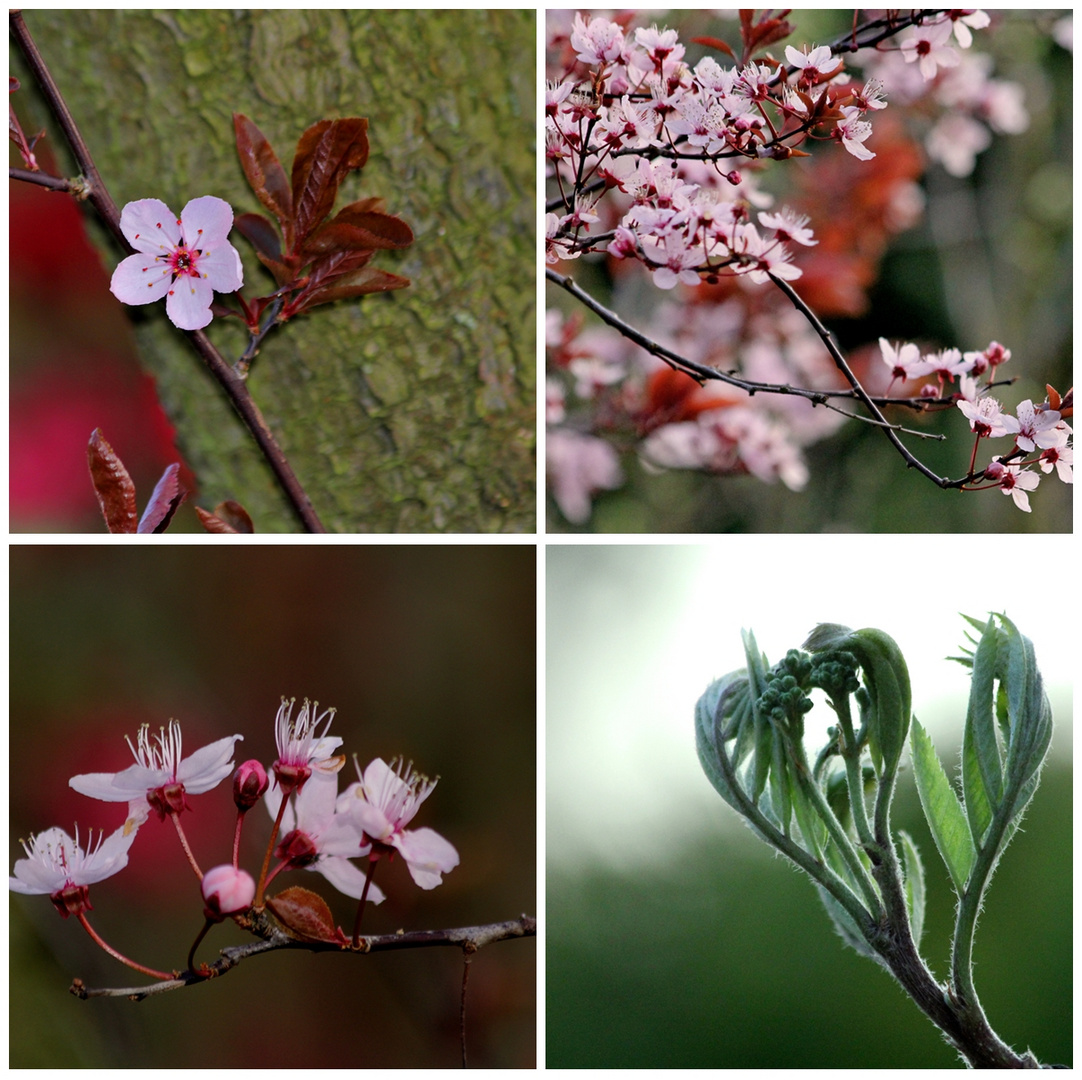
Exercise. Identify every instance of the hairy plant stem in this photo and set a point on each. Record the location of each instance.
(96, 193)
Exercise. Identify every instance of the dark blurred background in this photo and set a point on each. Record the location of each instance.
(426, 652)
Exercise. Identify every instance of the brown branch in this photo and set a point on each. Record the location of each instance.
(97, 194)
(467, 938)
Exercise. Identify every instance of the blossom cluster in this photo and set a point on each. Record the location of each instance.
(654, 161)
(316, 827)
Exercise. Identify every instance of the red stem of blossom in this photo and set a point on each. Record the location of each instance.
(360, 906)
(262, 883)
(184, 844)
(81, 916)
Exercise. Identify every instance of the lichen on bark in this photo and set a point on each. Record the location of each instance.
(405, 412)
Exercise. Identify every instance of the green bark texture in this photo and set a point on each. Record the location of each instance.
(407, 412)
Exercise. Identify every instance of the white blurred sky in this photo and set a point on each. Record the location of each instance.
(636, 632)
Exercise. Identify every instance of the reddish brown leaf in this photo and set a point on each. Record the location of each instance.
(166, 497)
(386, 230)
(326, 152)
(228, 517)
(265, 173)
(260, 233)
(370, 279)
(715, 43)
(112, 484)
(335, 236)
(306, 916)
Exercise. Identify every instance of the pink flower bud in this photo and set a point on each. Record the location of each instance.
(227, 890)
(249, 783)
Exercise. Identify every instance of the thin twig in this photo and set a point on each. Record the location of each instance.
(468, 938)
(99, 197)
(703, 374)
(53, 183)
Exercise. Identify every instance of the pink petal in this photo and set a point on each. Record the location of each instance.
(134, 782)
(188, 302)
(206, 221)
(211, 764)
(140, 279)
(347, 879)
(150, 226)
(371, 820)
(427, 854)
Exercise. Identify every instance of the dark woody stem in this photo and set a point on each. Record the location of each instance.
(98, 196)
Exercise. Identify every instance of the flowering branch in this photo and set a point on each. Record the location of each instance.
(641, 147)
(469, 938)
(91, 187)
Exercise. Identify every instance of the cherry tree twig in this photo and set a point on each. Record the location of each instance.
(702, 374)
(467, 938)
(91, 187)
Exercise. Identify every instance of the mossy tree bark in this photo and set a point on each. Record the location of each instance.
(407, 412)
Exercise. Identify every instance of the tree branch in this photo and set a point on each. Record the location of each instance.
(467, 938)
(97, 194)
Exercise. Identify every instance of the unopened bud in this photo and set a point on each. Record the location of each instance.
(227, 890)
(249, 783)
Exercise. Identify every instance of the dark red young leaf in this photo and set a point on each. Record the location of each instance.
(337, 236)
(166, 497)
(306, 916)
(715, 43)
(112, 484)
(265, 173)
(228, 517)
(326, 153)
(386, 230)
(260, 233)
(368, 279)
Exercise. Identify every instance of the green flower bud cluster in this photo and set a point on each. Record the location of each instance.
(836, 674)
(784, 697)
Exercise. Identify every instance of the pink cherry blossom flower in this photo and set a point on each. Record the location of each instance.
(227, 890)
(962, 20)
(947, 364)
(1060, 458)
(382, 804)
(301, 744)
(600, 42)
(985, 417)
(928, 46)
(578, 466)
(904, 361)
(315, 838)
(57, 866)
(812, 65)
(186, 259)
(1016, 481)
(853, 132)
(789, 225)
(160, 775)
(1034, 428)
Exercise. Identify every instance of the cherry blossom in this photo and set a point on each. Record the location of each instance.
(1014, 480)
(1060, 458)
(300, 743)
(161, 775)
(185, 259)
(57, 866)
(985, 417)
(1034, 428)
(600, 42)
(963, 20)
(904, 361)
(315, 838)
(383, 803)
(927, 45)
(814, 65)
(578, 466)
(853, 132)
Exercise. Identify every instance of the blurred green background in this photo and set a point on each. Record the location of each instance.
(425, 652)
(676, 938)
(990, 259)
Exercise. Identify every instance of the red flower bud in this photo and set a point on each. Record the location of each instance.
(249, 783)
(227, 890)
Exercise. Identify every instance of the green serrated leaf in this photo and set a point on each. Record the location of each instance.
(913, 870)
(982, 773)
(942, 809)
